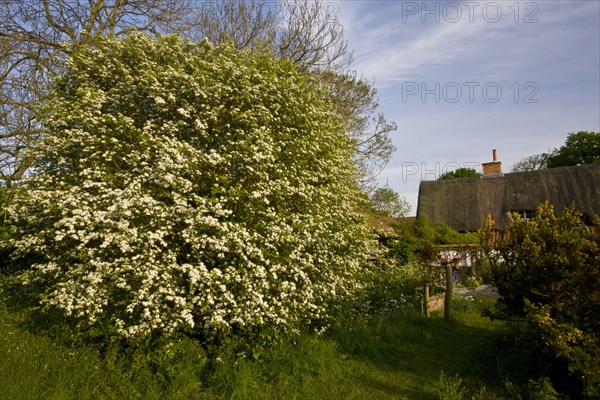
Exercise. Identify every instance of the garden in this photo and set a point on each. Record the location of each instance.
(192, 227)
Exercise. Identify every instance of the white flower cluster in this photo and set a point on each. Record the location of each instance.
(185, 187)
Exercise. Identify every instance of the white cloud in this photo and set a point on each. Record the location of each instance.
(560, 54)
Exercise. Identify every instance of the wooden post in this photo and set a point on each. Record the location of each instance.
(426, 301)
(448, 296)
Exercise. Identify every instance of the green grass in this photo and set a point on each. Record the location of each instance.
(405, 357)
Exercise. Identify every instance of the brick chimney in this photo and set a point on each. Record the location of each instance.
(492, 168)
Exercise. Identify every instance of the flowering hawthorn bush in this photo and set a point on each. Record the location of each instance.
(183, 187)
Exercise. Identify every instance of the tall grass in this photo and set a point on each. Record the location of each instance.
(35, 367)
(395, 357)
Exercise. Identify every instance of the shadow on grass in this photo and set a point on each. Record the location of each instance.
(408, 353)
(383, 388)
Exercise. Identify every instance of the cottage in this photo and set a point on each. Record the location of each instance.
(465, 203)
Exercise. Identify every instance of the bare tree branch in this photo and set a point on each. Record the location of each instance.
(36, 36)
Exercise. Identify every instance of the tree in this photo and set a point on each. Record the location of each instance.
(183, 187)
(389, 203)
(579, 148)
(355, 100)
(308, 33)
(532, 163)
(305, 31)
(36, 36)
(547, 273)
(459, 173)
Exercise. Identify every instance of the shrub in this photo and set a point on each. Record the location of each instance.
(387, 289)
(547, 273)
(183, 187)
(450, 387)
(414, 249)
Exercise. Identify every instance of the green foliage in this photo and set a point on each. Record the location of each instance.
(547, 273)
(355, 100)
(186, 188)
(450, 387)
(532, 163)
(472, 282)
(301, 31)
(541, 389)
(387, 289)
(389, 203)
(392, 357)
(414, 252)
(416, 239)
(459, 173)
(407, 354)
(308, 367)
(579, 148)
(5, 247)
(471, 304)
(36, 366)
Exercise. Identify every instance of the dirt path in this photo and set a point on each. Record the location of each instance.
(437, 302)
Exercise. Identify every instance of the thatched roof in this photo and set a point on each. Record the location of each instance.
(465, 203)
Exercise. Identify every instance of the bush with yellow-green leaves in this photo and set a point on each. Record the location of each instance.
(547, 271)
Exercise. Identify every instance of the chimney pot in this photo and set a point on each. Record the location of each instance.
(494, 154)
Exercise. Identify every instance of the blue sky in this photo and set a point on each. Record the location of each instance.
(461, 78)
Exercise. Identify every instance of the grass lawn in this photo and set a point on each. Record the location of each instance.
(417, 358)
(405, 357)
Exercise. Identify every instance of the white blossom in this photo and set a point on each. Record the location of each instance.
(205, 201)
